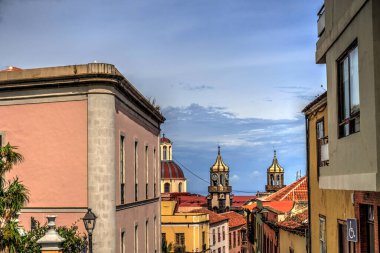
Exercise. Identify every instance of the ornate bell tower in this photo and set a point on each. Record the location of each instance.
(219, 198)
(275, 176)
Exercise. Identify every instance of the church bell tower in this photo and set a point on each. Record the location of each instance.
(275, 176)
(219, 198)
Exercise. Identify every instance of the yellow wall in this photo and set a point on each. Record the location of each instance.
(333, 204)
(174, 185)
(296, 242)
(191, 224)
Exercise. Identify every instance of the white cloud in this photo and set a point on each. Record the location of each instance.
(234, 178)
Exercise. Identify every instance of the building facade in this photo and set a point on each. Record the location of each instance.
(172, 177)
(219, 198)
(186, 231)
(348, 45)
(327, 224)
(90, 140)
(237, 237)
(219, 231)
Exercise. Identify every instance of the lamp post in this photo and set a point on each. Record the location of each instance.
(89, 221)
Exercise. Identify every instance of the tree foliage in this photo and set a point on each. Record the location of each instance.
(13, 196)
(74, 242)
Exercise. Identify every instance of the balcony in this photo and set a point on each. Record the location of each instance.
(323, 152)
(321, 21)
(219, 189)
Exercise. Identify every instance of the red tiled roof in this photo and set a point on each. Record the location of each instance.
(170, 170)
(214, 217)
(296, 191)
(193, 200)
(165, 140)
(280, 206)
(10, 68)
(295, 223)
(239, 201)
(277, 206)
(234, 219)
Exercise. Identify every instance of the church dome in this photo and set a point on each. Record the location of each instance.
(171, 170)
(275, 166)
(219, 165)
(165, 140)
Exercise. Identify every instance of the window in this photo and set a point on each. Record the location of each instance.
(219, 250)
(224, 233)
(155, 234)
(147, 172)
(234, 239)
(348, 92)
(218, 234)
(238, 236)
(180, 239)
(155, 172)
(122, 170)
(163, 237)
(1, 140)
(166, 187)
(322, 152)
(322, 234)
(164, 153)
(224, 249)
(213, 237)
(136, 169)
(344, 245)
(370, 229)
(136, 239)
(122, 242)
(229, 240)
(180, 187)
(203, 241)
(291, 250)
(146, 237)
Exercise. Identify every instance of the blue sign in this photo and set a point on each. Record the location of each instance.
(352, 230)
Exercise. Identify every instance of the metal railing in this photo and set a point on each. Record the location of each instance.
(323, 151)
(321, 21)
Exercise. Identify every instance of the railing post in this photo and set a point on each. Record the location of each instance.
(51, 242)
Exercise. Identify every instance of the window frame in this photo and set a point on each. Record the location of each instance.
(324, 250)
(354, 118)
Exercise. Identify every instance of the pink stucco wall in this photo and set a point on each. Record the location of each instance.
(127, 219)
(52, 137)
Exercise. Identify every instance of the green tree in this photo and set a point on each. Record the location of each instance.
(73, 243)
(13, 196)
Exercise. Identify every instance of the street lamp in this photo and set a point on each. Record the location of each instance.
(89, 221)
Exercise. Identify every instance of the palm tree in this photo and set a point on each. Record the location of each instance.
(13, 196)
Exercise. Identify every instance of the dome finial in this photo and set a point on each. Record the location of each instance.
(163, 135)
(275, 156)
(218, 149)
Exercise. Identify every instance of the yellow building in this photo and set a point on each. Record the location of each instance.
(186, 232)
(172, 176)
(328, 209)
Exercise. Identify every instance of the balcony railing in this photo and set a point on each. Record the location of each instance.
(321, 21)
(219, 189)
(323, 152)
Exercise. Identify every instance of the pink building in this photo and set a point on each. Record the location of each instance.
(89, 139)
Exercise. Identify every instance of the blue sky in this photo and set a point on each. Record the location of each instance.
(235, 73)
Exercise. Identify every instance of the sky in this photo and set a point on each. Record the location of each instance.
(234, 73)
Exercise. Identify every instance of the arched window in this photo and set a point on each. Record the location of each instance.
(166, 187)
(278, 179)
(164, 153)
(180, 187)
(221, 181)
(271, 179)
